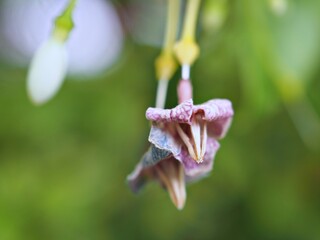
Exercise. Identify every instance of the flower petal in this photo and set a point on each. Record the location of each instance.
(181, 113)
(193, 170)
(154, 155)
(137, 178)
(162, 139)
(47, 71)
(144, 168)
(218, 113)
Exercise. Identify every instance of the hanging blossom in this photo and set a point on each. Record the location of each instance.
(47, 71)
(184, 141)
(49, 65)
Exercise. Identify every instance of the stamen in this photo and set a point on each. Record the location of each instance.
(172, 177)
(204, 137)
(196, 136)
(196, 143)
(186, 141)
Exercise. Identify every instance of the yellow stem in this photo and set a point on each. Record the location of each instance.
(186, 49)
(172, 25)
(190, 20)
(165, 63)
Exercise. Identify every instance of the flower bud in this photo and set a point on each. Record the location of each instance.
(47, 71)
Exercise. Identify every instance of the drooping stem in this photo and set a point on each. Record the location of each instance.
(185, 72)
(64, 23)
(190, 20)
(161, 93)
(184, 90)
(165, 64)
(172, 25)
(186, 49)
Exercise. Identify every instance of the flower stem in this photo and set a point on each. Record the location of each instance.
(161, 93)
(191, 19)
(172, 25)
(186, 49)
(64, 23)
(165, 64)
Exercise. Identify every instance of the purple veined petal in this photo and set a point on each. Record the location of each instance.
(218, 113)
(215, 109)
(219, 128)
(47, 71)
(180, 114)
(195, 171)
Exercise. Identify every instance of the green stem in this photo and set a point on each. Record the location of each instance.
(64, 23)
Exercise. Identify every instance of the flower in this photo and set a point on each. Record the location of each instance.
(191, 125)
(49, 65)
(183, 145)
(47, 71)
(159, 165)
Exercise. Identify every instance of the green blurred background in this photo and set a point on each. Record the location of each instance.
(63, 165)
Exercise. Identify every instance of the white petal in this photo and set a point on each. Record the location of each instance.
(47, 71)
(25, 24)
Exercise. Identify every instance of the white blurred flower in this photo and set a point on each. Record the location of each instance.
(93, 47)
(47, 71)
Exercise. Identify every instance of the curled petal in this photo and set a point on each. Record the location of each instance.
(47, 71)
(162, 139)
(168, 172)
(145, 168)
(181, 113)
(193, 170)
(218, 113)
(154, 156)
(137, 178)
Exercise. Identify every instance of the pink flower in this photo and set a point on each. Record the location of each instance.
(183, 145)
(192, 126)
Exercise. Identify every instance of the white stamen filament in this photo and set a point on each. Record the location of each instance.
(185, 71)
(186, 141)
(172, 177)
(197, 142)
(204, 137)
(196, 135)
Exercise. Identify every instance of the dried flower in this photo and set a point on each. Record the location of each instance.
(183, 145)
(191, 125)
